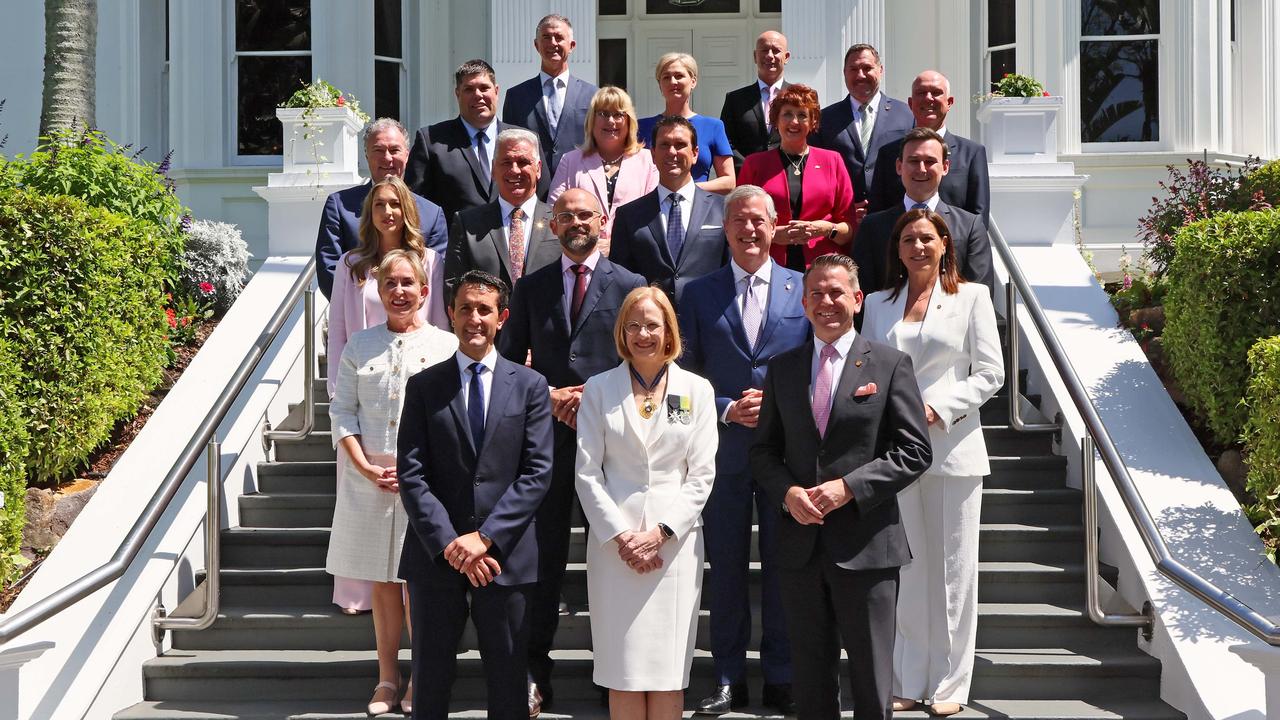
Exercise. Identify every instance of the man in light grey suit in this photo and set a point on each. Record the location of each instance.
(509, 236)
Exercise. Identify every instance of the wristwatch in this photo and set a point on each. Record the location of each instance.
(667, 532)
(831, 234)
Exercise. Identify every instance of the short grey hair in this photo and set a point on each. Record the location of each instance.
(554, 18)
(373, 127)
(747, 192)
(519, 134)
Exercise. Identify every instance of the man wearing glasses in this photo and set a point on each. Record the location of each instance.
(562, 316)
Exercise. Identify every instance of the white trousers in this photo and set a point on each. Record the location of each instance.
(938, 591)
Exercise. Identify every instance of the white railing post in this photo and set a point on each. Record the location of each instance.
(1267, 659)
(11, 662)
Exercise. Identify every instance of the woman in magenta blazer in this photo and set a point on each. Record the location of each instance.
(611, 164)
(810, 179)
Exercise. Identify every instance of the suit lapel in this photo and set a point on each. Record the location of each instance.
(540, 112)
(600, 183)
(728, 289)
(571, 95)
(660, 235)
(600, 281)
(701, 206)
(851, 129)
(675, 386)
(500, 396)
(781, 291)
(458, 407)
(469, 154)
(499, 239)
(855, 366)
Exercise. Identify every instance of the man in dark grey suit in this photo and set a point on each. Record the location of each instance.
(562, 316)
(745, 113)
(922, 167)
(675, 233)
(507, 237)
(841, 432)
(451, 163)
(965, 185)
(865, 120)
(553, 103)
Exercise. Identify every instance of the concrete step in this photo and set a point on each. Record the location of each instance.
(297, 510)
(297, 477)
(1026, 472)
(1034, 582)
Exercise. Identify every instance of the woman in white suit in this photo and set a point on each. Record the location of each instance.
(646, 459)
(948, 327)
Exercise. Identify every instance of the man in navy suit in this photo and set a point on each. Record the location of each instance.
(675, 233)
(965, 185)
(554, 103)
(922, 167)
(386, 147)
(474, 463)
(733, 321)
(745, 112)
(865, 120)
(451, 163)
(563, 316)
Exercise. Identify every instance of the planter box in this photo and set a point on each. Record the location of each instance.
(320, 141)
(1021, 130)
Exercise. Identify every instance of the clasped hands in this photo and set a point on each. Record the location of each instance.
(469, 555)
(564, 404)
(745, 410)
(384, 478)
(810, 506)
(639, 549)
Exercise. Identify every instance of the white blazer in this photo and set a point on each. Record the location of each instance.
(958, 364)
(626, 481)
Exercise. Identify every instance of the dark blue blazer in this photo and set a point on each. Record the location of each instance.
(539, 323)
(639, 243)
(715, 345)
(968, 236)
(448, 489)
(443, 168)
(965, 185)
(838, 132)
(340, 229)
(523, 106)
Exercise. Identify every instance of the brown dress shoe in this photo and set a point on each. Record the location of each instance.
(535, 700)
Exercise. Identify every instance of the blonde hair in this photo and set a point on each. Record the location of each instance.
(362, 260)
(672, 346)
(610, 97)
(672, 58)
(401, 255)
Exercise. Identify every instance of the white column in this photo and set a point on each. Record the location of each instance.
(11, 661)
(513, 25)
(118, 71)
(197, 59)
(1267, 659)
(817, 51)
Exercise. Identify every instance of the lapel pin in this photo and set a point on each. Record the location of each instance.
(939, 307)
(787, 287)
(857, 363)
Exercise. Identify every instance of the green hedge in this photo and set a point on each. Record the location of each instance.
(1224, 294)
(81, 305)
(13, 448)
(1266, 181)
(1262, 434)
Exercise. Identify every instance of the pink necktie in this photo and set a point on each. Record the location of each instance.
(822, 389)
(516, 251)
(770, 94)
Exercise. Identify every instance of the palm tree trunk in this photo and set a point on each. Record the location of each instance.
(70, 48)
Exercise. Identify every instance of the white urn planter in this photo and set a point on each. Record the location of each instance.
(322, 143)
(1021, 130)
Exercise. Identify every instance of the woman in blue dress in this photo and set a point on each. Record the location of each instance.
(677, 76)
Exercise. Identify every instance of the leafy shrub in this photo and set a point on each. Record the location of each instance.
(88, 165)
(1018, 86)
(321, 94)
(1262, 434)
(13, 448)
(1224, 294)
(81, 305)
(214, 265)
(1262, 186)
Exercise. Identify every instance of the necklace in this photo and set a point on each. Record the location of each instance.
(798, 163)
(647, 408)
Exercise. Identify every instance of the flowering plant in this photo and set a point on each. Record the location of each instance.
(1015, 85)
(320, 94)
(184, 316)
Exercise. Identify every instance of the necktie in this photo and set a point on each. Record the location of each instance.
(920, 206)
(482, 154)
(769, 94)
(675, 227)
(868, 123)
(553, 104)
(822, 389)
(579, 293)
(750, 312)
(516, 243)
(475, 405)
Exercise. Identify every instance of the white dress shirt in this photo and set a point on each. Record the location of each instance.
(489, 361)
(765, 92)
(686, 204)
(857, 110)
(529, 207)
(759, 286)
(561, 88)
(490, 133)
(932, 202)
(569, 278)
(842, 345)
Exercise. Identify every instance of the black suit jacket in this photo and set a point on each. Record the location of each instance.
(523, 106)
(639, 242)
(837, 132)
(449, 489)
(965, 185)
(443, 168)
(968, 235)
(879, 444)
(745, 123)
(477, 242)
(539, 323)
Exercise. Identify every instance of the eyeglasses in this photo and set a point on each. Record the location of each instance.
(582, 216)
(792, 116)
(633, 328)
(616, 115)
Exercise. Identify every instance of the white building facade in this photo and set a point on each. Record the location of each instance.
(1147, 83)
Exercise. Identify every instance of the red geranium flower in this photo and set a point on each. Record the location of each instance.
(1046, 93)
(341, 101)
(171, 316)
(206, 288)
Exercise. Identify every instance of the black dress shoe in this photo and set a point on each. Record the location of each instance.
(778, 699)
(724, 699)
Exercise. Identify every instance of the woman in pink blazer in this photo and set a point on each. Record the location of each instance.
(811, 179)
(611, 164)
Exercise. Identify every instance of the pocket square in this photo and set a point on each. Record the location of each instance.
(711, 227)
(865, 390)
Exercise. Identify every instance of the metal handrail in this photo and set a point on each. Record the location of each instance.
(162, 622)
(1186, 578)
(77, 590)
(308, 379)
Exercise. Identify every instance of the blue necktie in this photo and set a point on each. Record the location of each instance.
(675, 228)
(475, 405)
(920, 206)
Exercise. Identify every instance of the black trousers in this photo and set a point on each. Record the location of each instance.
(555, 518)
(500, 614)
(828, 607)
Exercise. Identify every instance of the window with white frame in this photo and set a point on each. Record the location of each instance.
(1120, 71)
(389, 69)
(1002, 39)
(272, 59)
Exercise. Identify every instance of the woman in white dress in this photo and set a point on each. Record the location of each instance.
(369, 522)
(646, 460)
(948, 327)
(388, 220)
